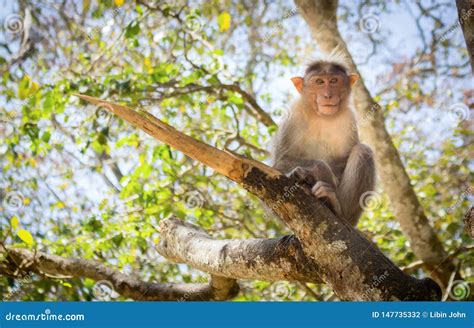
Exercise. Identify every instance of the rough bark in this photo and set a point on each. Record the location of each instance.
(349, 263)
(321, 17)
(21, 261)
(466, 19)
(469, 222)
(273, 259)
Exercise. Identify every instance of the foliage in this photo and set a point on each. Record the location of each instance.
(88, 185)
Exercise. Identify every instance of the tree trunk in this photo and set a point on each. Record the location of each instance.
(466, 19)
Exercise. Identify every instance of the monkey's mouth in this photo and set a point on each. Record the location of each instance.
(328, 109)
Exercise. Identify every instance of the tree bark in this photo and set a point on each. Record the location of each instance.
(350, 264)
(466, 19)
(321, 17)
(273, 259)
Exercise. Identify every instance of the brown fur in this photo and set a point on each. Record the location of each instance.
(324, 150)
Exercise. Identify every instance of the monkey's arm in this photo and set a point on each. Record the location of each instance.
(317, 175)
(358, 177)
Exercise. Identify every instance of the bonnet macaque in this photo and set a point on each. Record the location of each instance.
(319, 144)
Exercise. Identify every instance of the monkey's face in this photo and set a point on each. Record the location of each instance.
(326, 93)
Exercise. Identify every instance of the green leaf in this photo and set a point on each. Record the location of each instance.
(48, 102)
(132, 30)
(25, 236)
(46, 136)
(14, 222)
(224, 21)
(23, 87)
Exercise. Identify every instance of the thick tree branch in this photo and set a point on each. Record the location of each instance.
(321, 17)
(20, 261)
(273, 259)
(349, 263)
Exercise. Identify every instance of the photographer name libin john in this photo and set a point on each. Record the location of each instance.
(440, 314)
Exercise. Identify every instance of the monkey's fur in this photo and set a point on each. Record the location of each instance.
(319, 143)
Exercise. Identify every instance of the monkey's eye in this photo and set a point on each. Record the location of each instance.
(319, 81)
(333, 81)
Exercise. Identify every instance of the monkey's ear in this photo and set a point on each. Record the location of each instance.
(298, 83)
(353, 78)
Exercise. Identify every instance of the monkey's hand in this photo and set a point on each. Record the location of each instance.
(327, 194)
(302, 175)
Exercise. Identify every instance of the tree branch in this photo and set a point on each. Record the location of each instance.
(272, 259)
(20, 261)
(252, 104)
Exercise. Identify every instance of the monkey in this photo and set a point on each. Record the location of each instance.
(318, 142)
